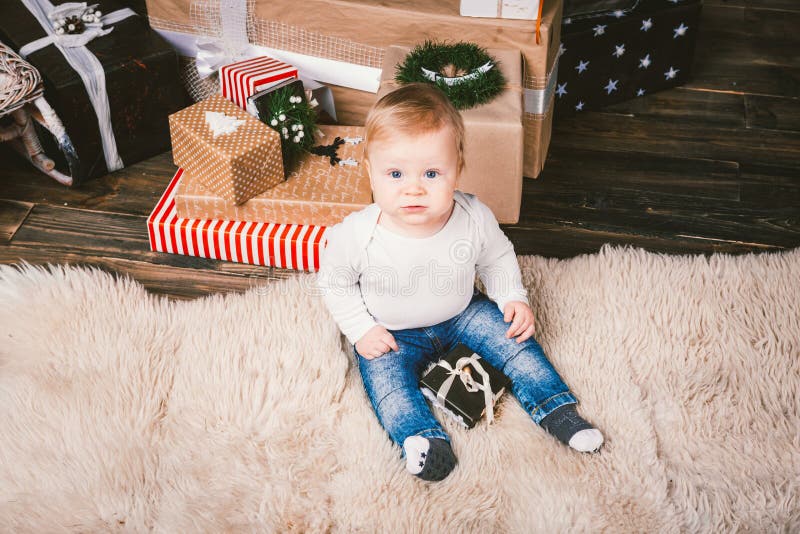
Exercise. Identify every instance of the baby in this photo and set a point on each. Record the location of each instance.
(398, 278)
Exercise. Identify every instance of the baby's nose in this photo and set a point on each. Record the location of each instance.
(414, 187)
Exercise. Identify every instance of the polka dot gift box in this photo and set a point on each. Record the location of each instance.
(234, 154)
(318, 191)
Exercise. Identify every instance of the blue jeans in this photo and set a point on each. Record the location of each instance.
(392, 380)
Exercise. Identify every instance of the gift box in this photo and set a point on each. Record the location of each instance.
(288, 246)
(464, 386)
(611, 58)
(493, 140)
(350, 37)
(505, 9)
(233, 153)
(315, 193)
(111, 82)
(242, 79)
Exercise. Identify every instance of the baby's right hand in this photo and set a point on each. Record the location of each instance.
(376, 342)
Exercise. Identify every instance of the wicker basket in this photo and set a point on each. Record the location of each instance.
(21, 99)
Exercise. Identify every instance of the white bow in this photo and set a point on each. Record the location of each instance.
(469, 383)
(213, 54)
(66, 40)
(456, 80)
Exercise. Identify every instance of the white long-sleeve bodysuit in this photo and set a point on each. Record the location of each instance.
(370, 275)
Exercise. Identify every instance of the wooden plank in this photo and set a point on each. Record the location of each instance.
(768, 187)
(625, 134)
(592, 170)
(134, 190)
(176, 282)
(566, 240)
(772, 112)
(687, 105)
(747, 50)
(12, 215)
(650, 215)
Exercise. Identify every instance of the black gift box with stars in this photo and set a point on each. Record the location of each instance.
(625, 54)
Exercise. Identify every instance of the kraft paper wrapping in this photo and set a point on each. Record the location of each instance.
(316, 193)
(493, 144)
(358, 31)
(236, 166)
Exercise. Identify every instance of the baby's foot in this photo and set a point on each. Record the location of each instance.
(570, 428)
(429, 459)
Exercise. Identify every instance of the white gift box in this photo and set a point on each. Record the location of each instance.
(502, 9)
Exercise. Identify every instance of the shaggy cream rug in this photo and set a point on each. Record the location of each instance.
(124, 411)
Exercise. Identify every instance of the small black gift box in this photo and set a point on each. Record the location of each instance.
(464, 385)
(258, 104)
(112, 81)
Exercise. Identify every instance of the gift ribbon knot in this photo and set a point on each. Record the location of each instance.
(460, 371)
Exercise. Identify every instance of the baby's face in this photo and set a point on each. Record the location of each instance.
(413, 179)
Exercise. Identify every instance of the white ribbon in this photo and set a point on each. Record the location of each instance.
(82, 61)
(457, 80)
(469, 383)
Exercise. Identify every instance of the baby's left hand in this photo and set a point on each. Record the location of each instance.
(522, 326)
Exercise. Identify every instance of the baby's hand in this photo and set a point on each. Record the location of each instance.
(523, 326)
(375, 342)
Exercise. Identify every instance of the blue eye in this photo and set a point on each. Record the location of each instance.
(396, 174)
(431, 174)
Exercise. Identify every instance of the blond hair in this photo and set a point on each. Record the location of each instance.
(415, 108)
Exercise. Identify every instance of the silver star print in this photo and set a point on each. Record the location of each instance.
(579, 106)
(646, 24)
(582, 66)
(561, 49)
(619, 50)
(567, 20)
(680, 31)
(644, 62)
(600, 29)
(670, 74)
(611, 86)
(640, 92)
(619, 13)
(562, 89)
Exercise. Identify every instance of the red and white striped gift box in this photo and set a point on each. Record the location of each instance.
(288, 246)
(243, 79)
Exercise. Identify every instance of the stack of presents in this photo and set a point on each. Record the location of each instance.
(270, 154)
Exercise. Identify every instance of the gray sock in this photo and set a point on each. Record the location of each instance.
(564, 422)
(429, 458)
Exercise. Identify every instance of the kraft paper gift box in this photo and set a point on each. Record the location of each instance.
(233, 153)
(315, 193)
(356, 33)
(464, 385)
(493, 144)
(287, 246)
(111, 87)
(612, 58)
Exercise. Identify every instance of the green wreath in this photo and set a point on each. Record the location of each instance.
(466, 73)
(294, 119)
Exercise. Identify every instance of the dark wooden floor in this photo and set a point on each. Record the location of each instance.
(710, 167)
